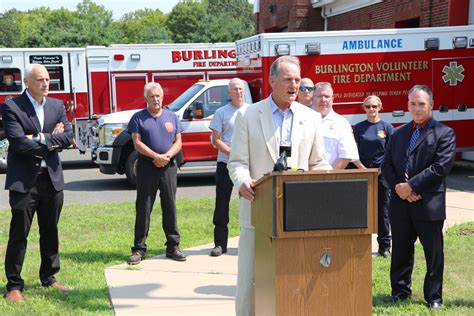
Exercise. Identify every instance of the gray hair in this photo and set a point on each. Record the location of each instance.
(276, 66)
(29, 69)
(151, 85)
(233, 81)
(323, 84)
(421, 87)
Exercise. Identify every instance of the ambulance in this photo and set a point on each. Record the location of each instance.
(382, 62)
(97, 80)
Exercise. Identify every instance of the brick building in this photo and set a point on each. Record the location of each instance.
(319, 15)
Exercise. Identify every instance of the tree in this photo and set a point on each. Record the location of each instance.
(211, 21)
(142, 26)
(35, 28)
(10, 34)
(95, 24)
(187, 22)
(229, 20)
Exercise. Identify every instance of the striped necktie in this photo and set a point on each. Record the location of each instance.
(414, 137)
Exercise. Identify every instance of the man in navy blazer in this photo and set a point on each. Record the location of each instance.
(36, 127)
(417, 160)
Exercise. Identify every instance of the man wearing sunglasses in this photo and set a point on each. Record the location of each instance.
(305, 92)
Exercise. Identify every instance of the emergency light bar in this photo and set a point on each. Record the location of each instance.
(7, 59)
(119, 57)
(312, 48)
(431, 43)
(460, 42)
(282, 49)
(135, 57)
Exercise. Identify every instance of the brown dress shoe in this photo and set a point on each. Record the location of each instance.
(14, 296)
(61, 288)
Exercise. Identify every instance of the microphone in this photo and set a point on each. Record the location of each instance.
(282, 163)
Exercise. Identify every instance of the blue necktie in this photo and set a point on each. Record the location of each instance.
(414, 137)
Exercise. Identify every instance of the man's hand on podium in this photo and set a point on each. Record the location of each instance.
(246, 190)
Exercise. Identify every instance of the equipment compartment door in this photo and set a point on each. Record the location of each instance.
(453, 79)
(127, 91)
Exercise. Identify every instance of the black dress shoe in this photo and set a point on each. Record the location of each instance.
(435, 306)
(175, 254)
(396, 298)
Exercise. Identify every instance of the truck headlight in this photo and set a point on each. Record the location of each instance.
(109, 132)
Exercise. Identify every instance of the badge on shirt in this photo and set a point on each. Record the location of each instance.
(169, 127)
(381, 134)
(332, 126)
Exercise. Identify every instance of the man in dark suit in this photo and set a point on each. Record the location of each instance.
(36, 127)
(417, 161)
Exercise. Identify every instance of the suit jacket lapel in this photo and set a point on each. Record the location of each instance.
(424, 132)
(406, 132)
(48, 116)
(268, 128)
(30, 111)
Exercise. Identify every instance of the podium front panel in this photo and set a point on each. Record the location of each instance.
(328, 204)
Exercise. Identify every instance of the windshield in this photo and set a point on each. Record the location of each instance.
(185, 97)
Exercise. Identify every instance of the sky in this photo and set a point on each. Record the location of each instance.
(118, 7)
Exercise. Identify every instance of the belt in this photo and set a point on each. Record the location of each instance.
(43, 170)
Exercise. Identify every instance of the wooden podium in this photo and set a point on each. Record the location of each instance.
(313, 242)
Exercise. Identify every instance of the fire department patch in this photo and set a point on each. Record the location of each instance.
(381, 134)
(169, 127)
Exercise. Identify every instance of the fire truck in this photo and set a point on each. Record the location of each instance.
(195, 109)
(386, 63)
(97, 80)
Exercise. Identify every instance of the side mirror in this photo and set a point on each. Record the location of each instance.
(194, 111)
(198, 110)
(188, 113)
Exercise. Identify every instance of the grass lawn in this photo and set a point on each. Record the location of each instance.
(100, 235)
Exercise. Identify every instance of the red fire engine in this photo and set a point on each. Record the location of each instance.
(95, 81)
(386, 63)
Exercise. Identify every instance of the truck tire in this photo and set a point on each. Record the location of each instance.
(131, 168)
(3, 152)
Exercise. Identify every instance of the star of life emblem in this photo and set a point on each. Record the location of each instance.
(453, 73)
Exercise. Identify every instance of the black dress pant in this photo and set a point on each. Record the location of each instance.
(405, 231)
(224, 187)
(383, 235)
(149, 180)
(47, 203)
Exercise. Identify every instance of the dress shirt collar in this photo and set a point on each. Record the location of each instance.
(331, 116)
(422, 125)
(33, 101)
(275, 106)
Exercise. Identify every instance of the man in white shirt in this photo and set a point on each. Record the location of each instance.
(339, 141)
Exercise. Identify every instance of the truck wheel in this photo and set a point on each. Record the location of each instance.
(3, 152)
(131, 168)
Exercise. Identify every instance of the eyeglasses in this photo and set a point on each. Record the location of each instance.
(371, 106)
(305, 88)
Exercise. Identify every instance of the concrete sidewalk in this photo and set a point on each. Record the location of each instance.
(205, 285)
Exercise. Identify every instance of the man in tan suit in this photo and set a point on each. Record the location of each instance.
(258, 134)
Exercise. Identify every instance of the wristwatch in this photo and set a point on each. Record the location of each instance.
(36, 138)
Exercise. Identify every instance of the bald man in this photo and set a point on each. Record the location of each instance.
(222, 126)
(36, 127)
(305, 92)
